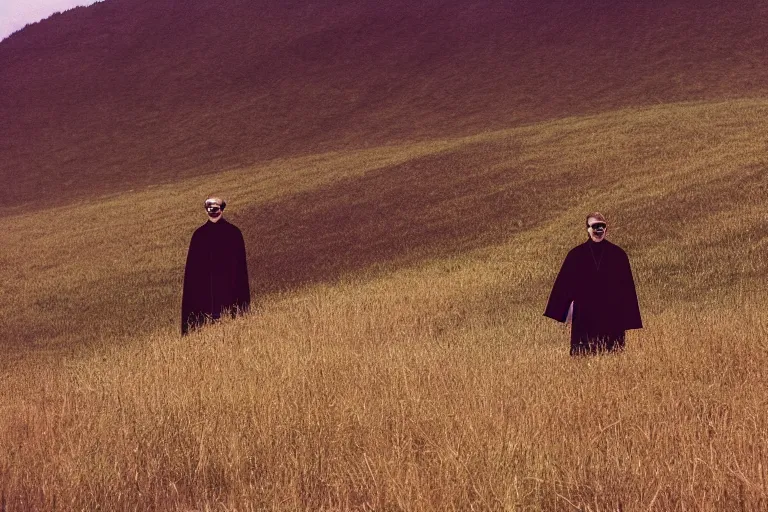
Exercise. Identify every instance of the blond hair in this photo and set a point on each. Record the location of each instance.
(596, 216)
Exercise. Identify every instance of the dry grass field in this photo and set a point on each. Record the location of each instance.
(408, 177)
(396, 357)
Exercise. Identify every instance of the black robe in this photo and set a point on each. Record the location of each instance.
(215, 276)
(597, 278)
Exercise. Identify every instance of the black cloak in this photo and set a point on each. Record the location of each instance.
(215, 276)
(597, 278)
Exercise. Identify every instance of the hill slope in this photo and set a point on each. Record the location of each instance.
(664, 175)
(400, 250)
(128, 93)
(412, 369)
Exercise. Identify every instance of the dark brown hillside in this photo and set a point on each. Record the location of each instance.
(438, 205)
(127, 93)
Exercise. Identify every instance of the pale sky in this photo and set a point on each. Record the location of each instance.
(15, 14)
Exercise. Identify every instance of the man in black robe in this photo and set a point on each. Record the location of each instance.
(216, 273)
(596, 281)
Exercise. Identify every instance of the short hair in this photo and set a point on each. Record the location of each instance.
(597, 216)
(215, 200)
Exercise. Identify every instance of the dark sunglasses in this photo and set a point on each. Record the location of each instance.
(597, 226)
(213, 209)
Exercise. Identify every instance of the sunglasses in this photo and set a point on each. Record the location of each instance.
(597, 226)
(213, 209)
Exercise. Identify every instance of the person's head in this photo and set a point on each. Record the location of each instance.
(597, 227)
(214, 207)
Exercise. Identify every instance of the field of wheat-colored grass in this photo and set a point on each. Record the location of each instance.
(402, 362)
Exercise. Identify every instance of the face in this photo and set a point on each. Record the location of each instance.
(596, 229)
(214, 212)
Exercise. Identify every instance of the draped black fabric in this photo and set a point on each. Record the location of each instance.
(597, 278)
(215, 276)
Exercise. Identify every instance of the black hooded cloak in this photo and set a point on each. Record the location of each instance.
(215, 276)
(597, 278)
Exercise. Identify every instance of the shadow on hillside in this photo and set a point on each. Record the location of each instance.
(396, 216)
(123, 95)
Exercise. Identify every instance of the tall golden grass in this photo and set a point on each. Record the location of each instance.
(427, 380)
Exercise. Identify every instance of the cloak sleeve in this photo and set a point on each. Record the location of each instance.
(190, 295)
(242, 286)
(630, 306)
(563, 291)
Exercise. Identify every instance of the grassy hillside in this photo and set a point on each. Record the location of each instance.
(315, 219)
(397, 358)
(408, 178)
(130, 93)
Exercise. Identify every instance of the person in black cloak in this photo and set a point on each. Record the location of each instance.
(216, 273)
(595, 287)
